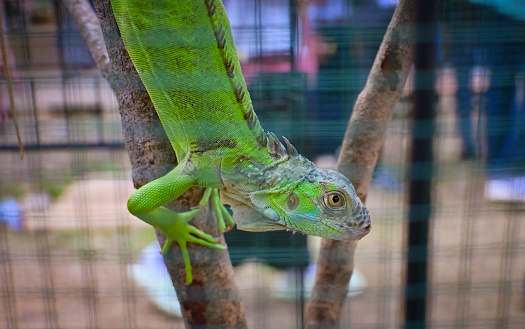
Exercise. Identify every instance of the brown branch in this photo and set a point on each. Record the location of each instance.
(372, 112)
(89, 27)
(212, 300)
(11, 93)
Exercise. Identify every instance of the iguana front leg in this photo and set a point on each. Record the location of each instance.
(146, 204)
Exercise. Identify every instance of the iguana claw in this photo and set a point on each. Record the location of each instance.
(225, 221)
(182, 233)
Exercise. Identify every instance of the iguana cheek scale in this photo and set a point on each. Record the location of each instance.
(184, 53)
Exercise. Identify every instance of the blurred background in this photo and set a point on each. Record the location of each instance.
(72, 257)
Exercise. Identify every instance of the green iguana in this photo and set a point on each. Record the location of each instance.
(184, 53)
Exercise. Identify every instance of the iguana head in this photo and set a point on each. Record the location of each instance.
(292, 193)
(324, 204)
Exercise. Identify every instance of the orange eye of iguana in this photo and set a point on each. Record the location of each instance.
(336, 200)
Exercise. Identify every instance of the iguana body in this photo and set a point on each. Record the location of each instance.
(184, 53)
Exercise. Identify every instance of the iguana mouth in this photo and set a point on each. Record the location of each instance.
(344, 233)
(361, 226)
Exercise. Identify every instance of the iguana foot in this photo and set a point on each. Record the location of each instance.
(180, 231)
(225, 221)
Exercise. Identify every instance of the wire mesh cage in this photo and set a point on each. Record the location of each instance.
(72, 257)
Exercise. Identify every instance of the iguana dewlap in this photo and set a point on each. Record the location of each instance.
(184, 53)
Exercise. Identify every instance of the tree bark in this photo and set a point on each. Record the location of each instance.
(361, 145)
(212, 300)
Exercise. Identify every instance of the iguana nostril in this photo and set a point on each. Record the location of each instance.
(365, 225)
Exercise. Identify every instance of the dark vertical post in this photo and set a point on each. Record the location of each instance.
(293, 33)
(420, 172)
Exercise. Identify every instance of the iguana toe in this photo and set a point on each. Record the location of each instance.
(225, 221)
(180, 231)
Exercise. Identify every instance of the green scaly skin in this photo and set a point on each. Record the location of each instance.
(184, 53)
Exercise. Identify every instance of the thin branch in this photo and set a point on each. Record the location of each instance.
(5, 63)
(87, 22)
(361, 145)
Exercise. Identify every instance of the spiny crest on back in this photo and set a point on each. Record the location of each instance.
(230, 61)
(220, 37)
(290, 149)
(277, 149)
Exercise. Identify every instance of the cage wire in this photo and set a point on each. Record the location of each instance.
(72, 257)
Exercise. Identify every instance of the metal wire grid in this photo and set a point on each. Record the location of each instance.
(78, 277)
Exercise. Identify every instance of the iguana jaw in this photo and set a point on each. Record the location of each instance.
(324, 227)
(360, 227)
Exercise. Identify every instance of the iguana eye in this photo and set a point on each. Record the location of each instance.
(293, 202)
(335, 200)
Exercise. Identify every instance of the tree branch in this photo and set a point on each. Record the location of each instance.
(361, 145)
(212, 299)
(89, 27)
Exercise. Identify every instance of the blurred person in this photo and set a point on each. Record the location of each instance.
(464, 49)
(505, 102)
(505, 110)
(491, 34)
(348, 36)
